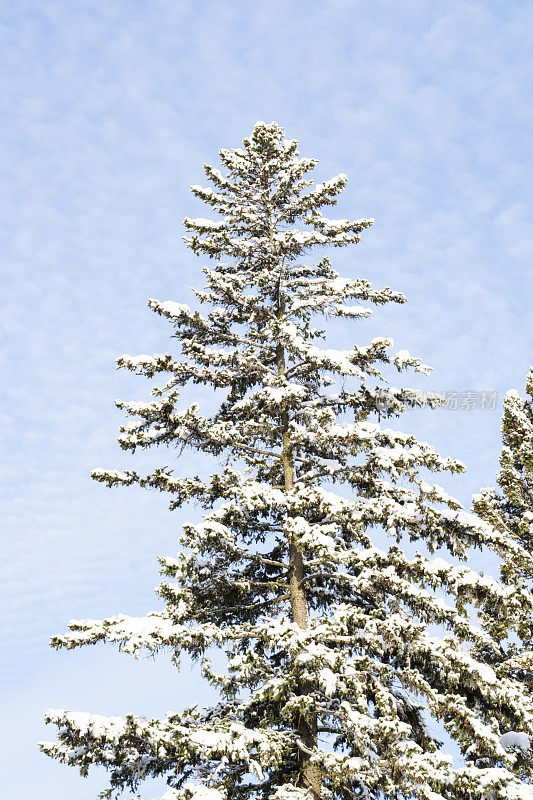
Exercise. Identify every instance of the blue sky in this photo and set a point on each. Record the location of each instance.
(109, 111)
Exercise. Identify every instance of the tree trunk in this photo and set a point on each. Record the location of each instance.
(309, 773)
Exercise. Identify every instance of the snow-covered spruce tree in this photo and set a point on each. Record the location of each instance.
(339, 652)
(511, 510)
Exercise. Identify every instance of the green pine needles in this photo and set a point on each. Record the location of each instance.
(511, 509)
(340, 654)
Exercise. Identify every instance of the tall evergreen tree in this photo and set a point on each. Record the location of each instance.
(510, 509)
(341, 654)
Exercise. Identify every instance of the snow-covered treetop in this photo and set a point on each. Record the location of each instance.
(511, 508)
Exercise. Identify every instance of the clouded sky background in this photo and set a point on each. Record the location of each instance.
(109, 111)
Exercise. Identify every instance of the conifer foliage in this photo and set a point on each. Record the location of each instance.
(511, 509)
(341, 654)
